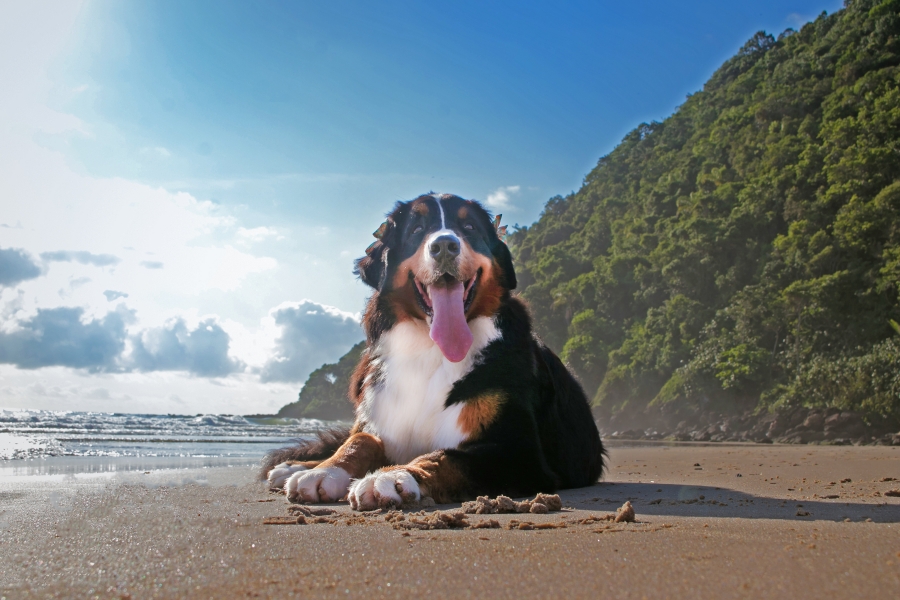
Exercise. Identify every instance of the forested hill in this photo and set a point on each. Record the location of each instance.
(744, 253)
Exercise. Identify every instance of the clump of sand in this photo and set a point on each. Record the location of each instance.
(439, 519)
(541, 505)
(625, 514)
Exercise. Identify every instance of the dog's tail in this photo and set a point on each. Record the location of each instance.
(326, 443)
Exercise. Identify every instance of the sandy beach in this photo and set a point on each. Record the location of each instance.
(713, 521)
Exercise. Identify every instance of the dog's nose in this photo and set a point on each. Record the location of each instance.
(446, 246)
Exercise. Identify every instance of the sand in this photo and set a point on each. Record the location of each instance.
(713, 521)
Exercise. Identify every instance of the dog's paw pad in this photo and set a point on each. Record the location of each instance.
(327, 484)
(384, 489)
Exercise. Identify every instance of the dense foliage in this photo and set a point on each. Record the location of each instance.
(745, 252)
(324, 395)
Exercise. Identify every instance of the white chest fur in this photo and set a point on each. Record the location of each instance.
(405, 408)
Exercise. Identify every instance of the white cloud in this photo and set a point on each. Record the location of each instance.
(311, 334)
(499, 199)
(257, 235)
(201, 351)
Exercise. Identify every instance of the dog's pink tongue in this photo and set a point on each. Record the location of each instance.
(449, 329)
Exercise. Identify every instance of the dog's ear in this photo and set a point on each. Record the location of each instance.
(504, 259)
(371, 267)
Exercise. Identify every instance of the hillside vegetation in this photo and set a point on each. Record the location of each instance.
(743, 254)
(324, 395)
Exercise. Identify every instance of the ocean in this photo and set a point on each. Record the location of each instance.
(61, 442)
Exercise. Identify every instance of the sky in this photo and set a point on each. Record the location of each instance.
(184, 185)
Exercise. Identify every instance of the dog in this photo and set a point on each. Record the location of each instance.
(455, 395)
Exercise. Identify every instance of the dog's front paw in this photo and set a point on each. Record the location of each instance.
(383, 489)
(328, 484)
(280, 474)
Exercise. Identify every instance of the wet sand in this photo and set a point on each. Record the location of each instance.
(717, 521)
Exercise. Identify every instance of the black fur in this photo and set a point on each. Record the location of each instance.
(504, 259)
(544, 437)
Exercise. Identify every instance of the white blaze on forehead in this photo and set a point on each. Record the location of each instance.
(437, 198)
(442, 231)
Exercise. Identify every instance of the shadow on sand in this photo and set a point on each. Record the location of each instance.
(657, 499)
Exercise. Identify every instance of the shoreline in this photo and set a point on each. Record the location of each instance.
(102, 464)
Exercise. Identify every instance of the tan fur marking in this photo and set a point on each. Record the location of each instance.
(478, 413)
(469, 261)
(463, 212)
(412, 264)
(420, 207)
(437, 476)
(489, 292)
(360, 454)
(405, 306)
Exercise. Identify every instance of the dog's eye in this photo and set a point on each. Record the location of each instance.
(417, 229)
(468, 226)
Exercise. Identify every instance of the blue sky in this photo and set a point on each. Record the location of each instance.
(218, 165)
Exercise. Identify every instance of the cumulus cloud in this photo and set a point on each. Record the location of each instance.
(80, 256)
(312, 334)
(62, 337)
(114, 295)
(499, 199)
(151, 264)
(16, 265)
(202, 351)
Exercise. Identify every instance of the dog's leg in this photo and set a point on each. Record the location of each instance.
(514, 467)
(329, 480)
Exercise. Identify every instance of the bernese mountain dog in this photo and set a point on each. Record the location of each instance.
(455, 395)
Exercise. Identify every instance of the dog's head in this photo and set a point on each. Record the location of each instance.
(439, 258)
